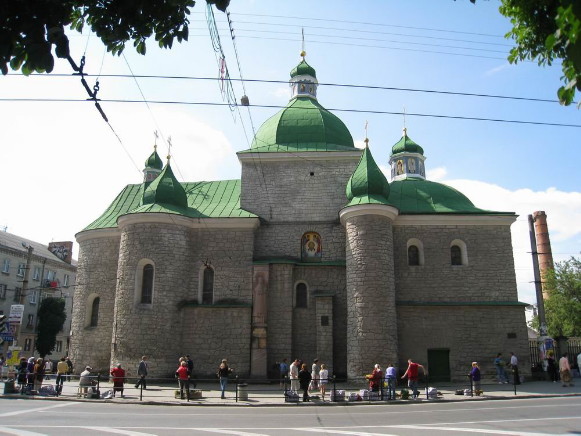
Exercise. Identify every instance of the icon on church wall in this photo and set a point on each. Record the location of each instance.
(311, 247)
(411, 165)
(399, 166)
(422, 169)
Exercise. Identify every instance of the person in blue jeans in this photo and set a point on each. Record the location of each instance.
(223, 373)
(499, 364)
(390, 381)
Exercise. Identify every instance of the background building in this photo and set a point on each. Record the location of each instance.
(50, 271)
(312, 253)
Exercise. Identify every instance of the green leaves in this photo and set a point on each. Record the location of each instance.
(563, 306)
(51, 318)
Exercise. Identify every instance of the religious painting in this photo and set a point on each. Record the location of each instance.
(311, 247)
(399, 165)
(411, 165)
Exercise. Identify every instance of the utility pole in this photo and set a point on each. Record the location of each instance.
(24, 288)
(538, 283)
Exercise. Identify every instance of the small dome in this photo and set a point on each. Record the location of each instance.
(367, 184)
(303, 69)
(165, 189)
(303, 125)
(154, 161)
(406, 145)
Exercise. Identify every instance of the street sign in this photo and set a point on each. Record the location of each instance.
(16, 313)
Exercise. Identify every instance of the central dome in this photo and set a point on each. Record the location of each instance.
(304, 125)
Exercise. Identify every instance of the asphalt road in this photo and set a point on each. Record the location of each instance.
(547, 416)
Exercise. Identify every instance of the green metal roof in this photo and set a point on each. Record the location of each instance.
(460, 303)
(304, 125)
(417, 196)
(406, 145)
(367, 184)
(218, 199)
(154, 161)
(165, 190)
(303, 69)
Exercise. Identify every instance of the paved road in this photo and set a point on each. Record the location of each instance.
(535, 416)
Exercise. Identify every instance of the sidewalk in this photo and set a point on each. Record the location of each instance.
(272, 394)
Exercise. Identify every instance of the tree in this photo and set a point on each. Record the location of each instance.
(51, 318)
(563, 305)
(545, 31)
(30, 29)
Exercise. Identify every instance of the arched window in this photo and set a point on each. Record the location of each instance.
(301, 295)
(208, 286)
(458, 252)
(413, 256)
(95, 312)
(147, 284)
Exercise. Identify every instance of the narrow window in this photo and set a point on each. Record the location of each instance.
(21, 268)
(208, 286)
(66, 281)
(17, 294)
(30, 321)
(413, 256)
(59, 346)
(6, 266)
(33, 297)
(3, 292)
(36, 275)
(147, 284)
(95, 312)
(456, 255)
(301, 295)
(27, 344)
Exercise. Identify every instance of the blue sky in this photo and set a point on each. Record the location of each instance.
(63, 165)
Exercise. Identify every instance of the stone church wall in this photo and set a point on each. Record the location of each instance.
(96, 276)
(286, 191)
(489, 274)
(470, 333)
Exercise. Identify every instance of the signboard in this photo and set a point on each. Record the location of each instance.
(13, 357)
(16, 313)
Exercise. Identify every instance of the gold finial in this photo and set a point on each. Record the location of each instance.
(366, 140)
(303, 52)
(405, 130)
(168, 148)
(155, 142)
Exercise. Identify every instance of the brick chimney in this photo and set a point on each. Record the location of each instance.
(62, 250)
(545, 254)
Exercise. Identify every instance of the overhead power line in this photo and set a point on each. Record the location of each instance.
(341, 85)
(264, 106)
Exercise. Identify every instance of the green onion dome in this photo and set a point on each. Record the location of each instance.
(367, 184)
(406, 145)
(154, 161)
(165, 189)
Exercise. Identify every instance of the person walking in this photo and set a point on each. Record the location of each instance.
(283, 370)
(475, 377)
(223, 372)
(499, 365)
(118, 375)
(323, 380)
(70, 365)
(552, 367)
(294, 375)
(412, 373)
(30, 373)
(61, 373)
(514, 367)
(183, 374)
(565, 370)
(142, 373)
(22, 375)
(47, 369)
(390, 381)
(38, 374)
(314, 375)
(190, 364)
(375, 378)
(305, 381)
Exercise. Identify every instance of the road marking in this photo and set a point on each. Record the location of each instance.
(223, 431)
(467, 430)
(335, 431)
(15, 432)
(118, 431)
(38, 409)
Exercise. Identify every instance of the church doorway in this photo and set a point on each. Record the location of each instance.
(439, 364)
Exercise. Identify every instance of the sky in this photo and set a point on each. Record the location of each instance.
(62, 164)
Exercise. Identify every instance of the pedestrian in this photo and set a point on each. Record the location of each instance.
(38, 374)
(294, 375)
(579, 364)
(190, 364)
(118, 375)
(223, 372)
(86, 381)
(305, 381)
(314, 376)
(61, 373)
(475, 377)
(283, 370)
(70, 365)
(514, 367)
(48, 369)
(552, 367)
(565, 370)
(183, 374)
(390, 381)
(375, 378)
(323, 380)
(412, 374)
(30, 373)
(499, 365)
(142, 373)
(22, 375)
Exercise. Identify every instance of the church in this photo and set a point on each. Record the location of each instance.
(312, 253)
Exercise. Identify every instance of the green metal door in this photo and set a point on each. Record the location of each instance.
(439, 365)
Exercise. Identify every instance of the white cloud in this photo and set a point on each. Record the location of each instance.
(282, 93)
(436, 173)
(496, 70)
(359, 143)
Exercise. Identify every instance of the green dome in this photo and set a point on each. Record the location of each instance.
(303, 69)
(406, 145)
(165, 189)
(417, 196)
(304, 125)
(154, 161)
(367, 184)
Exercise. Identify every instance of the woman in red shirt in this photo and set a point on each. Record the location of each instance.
(118, 375)
(183, 375)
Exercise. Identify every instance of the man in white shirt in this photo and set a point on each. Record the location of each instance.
(514, 366)
(294, 375)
